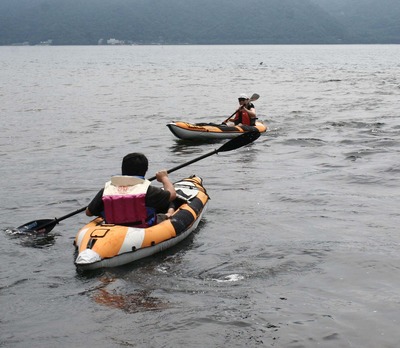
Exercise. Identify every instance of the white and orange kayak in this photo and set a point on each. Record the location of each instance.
(105, 245)
(211, 131)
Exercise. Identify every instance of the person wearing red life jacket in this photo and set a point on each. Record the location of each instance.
(129, 199)
(246, 114)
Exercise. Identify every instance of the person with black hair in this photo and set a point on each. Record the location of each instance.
(129, 199)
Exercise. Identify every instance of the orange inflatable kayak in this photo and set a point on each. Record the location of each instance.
(210, 131)
(105, 245)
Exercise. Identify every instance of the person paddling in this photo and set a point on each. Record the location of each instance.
(245, 114)
(129, 199)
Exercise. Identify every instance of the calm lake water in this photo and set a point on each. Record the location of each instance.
(299, 246)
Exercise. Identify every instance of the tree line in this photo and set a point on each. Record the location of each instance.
(76, 22)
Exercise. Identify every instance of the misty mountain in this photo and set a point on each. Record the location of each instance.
(85, 22)
(366, 21)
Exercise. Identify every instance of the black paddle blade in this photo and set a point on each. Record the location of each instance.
(241, 140)
(38, 226)
(45, 225)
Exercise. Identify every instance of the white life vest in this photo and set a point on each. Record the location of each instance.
(124, 201)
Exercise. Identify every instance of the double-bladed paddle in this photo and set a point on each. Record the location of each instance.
(254, 97)
(46, 225)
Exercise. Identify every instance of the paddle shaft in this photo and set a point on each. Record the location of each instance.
(187, 163)
(235, 143)
(57, 220)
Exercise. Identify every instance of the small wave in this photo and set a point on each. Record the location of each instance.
(365, 179)
(31, 239)
(356, 124)
(305, 142)
(394, 169)
(378, 149)
(15, 283)
(331, 80)
(230, 278)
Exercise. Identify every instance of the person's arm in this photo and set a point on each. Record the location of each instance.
(251, 111)
(162, 176)
(96, 206)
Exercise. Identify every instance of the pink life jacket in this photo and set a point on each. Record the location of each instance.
(124, 201)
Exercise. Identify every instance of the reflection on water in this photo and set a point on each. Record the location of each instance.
(137, 301)
(193, 147)
(119, 286)
(182, 144)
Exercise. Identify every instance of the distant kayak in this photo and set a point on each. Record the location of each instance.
(210, 131)
(107, 245)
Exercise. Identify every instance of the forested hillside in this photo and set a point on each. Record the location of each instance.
(366, 21)
(77, 22)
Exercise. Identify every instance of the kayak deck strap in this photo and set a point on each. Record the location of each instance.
(181, 220)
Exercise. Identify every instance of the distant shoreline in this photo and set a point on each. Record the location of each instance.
(252, 44)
